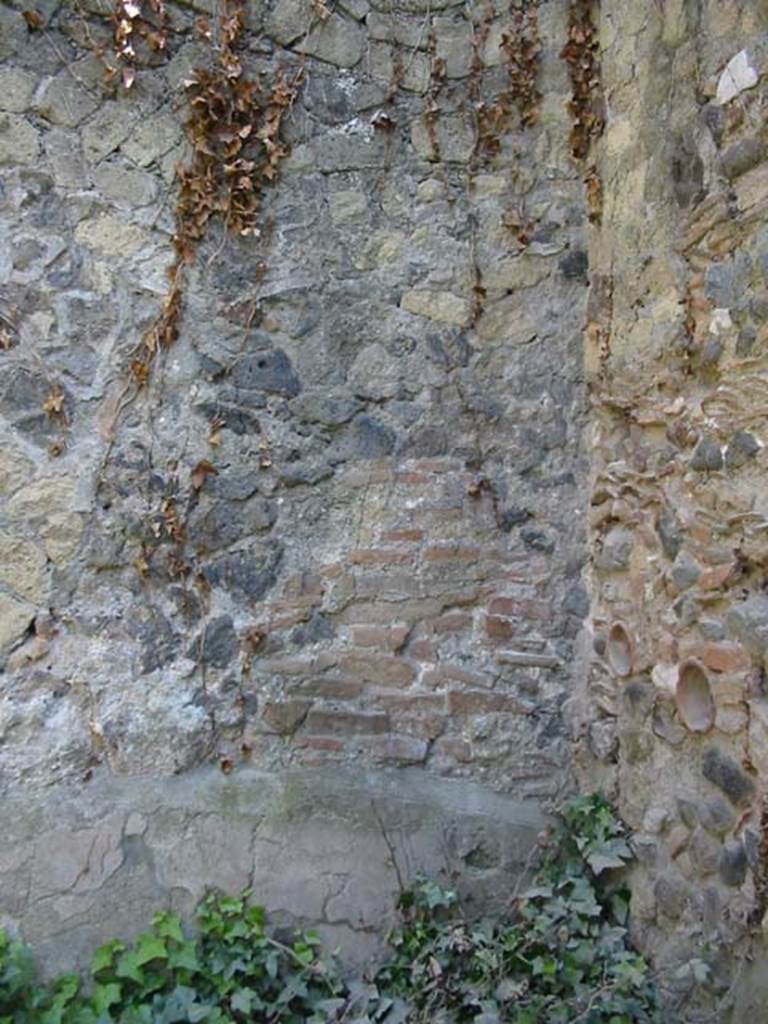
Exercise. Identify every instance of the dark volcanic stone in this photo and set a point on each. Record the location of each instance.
(244, 574)
(233, 485)
(22, 395)
(574, 264)
(716, 815)
(365, 438)
(707, 455)
(748, 621)
(266, 371)
(159, 642)
(671, 896)
(538, 540)
(318, 628)
(741, 157)
(722, 771)
(741, 448)
(226, 522)
(670, 534)
(239, 421)
(576, 601)
(219, 642)
(733, 864)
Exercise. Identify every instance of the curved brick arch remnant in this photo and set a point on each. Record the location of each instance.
(342, 526)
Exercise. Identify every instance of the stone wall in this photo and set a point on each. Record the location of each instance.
(380, 562)
(342, 535)
(677, 721)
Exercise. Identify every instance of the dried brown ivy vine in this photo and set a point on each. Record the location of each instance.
(586, 104)
(234, 131)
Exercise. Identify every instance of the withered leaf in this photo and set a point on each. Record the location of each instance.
(54, 402)
(33, 19)
(203, 469)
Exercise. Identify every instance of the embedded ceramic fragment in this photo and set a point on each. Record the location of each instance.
(695, 705)
(619, 650)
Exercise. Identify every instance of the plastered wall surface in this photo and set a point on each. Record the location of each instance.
(451, 483)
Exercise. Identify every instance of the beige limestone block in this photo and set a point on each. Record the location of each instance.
(486, 185)
(112, 236)
(504, 320)
(22, 567)
(516, 272)
(61, 535)
(337, 40)
(443, 307)
(454, 135)
(15, 469)
(16, 89)
(152, 139)
(15, 617)
(109, 126)
(349, 204)
(65, 102)
(382, 67)
(19, 141)
(47, 496)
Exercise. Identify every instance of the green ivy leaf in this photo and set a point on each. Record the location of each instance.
(105, 956)
(168, 926)
(150, 947)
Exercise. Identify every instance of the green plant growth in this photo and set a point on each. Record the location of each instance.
(560, 955)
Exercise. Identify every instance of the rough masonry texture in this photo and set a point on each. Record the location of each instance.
(481, 513)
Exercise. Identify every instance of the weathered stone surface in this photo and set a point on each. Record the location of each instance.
(288, 20)
(336, 40)
(707, 455)
(266, 371)
(41, 497)
(723, 772)
(19, 141)
(739, 74)
(452, 139)
(705, 853)
(22, 567)
(65, 102)
(16, 469)
(748, 622)
(672, 896)
(742, 447)
(111, 235)
(453, 44)
(111, 125)
(125, 184)
(219, 645)
(16, 89)
(375, 373)
(15, 617)
(443, 307)
(716, 815)
(741, 157)
(151, 139)
(733, 864)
